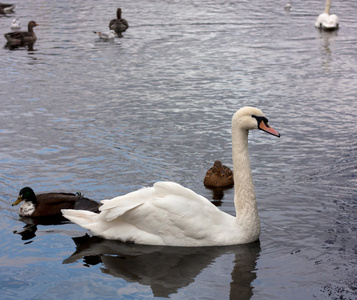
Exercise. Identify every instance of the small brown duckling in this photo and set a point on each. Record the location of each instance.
(50, 204)
(218, 176)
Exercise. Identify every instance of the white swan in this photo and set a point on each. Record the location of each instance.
(169, 214)
(326, 21)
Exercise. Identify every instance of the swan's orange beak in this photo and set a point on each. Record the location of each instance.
(265, 127)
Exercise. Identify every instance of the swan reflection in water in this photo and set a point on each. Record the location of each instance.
(159, 266)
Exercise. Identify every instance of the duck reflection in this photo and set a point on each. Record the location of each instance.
(217, 194)
(159, 266)
(14, 46)
(29, 230)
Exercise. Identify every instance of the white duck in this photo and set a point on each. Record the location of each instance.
(15, 24)
(106, 35)
(287, 6)
(326, 21)
(172, 215)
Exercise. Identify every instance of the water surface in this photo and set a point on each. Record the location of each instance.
(105, 119)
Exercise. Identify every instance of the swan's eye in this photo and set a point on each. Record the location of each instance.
(260, 119)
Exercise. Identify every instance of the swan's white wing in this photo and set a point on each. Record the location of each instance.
(163, 214)
(180, 202)
(118, 206)
(185, 215)
(169, 196)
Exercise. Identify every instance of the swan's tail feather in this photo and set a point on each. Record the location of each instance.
(83, 218)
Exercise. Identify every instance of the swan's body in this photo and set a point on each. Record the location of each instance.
(326, 21)
(15, 24)
(106, 36)
(169, 214)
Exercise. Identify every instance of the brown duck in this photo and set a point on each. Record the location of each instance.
(218, 176)
(50, 204)
(22, 38)
(119, 25)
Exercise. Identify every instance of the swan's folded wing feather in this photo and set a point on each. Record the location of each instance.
(120, 205)
(178, 209)
(167, 210)
(173, 192)
(169, 196)
(163, 188)
(179, 201)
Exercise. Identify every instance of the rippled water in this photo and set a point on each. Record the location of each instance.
(104, 119)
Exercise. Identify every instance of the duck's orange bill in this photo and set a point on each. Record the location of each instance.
(268, 129)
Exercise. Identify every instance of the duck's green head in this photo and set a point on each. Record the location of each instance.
(26, 194)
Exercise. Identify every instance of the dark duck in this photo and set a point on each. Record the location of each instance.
(6, 8)
(22, 38)
(50, 204)
(119, 25)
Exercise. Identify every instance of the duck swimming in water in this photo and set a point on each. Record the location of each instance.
(50, 204)
(22, 38)
(119, 24)
(15, 24)
(218, 176)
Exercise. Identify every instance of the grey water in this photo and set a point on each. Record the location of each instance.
(107, 118)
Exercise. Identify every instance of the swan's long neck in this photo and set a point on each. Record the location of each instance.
(244, 195)
(327, 7)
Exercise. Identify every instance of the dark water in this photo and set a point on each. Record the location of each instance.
(104, 119)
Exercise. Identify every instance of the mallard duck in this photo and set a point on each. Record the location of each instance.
(169, 214)
(218, 176)
(15, 24)
(119, 25)
(22, 38)
(50, 204)
(325, 21)
(105, 36)
(6, 8)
